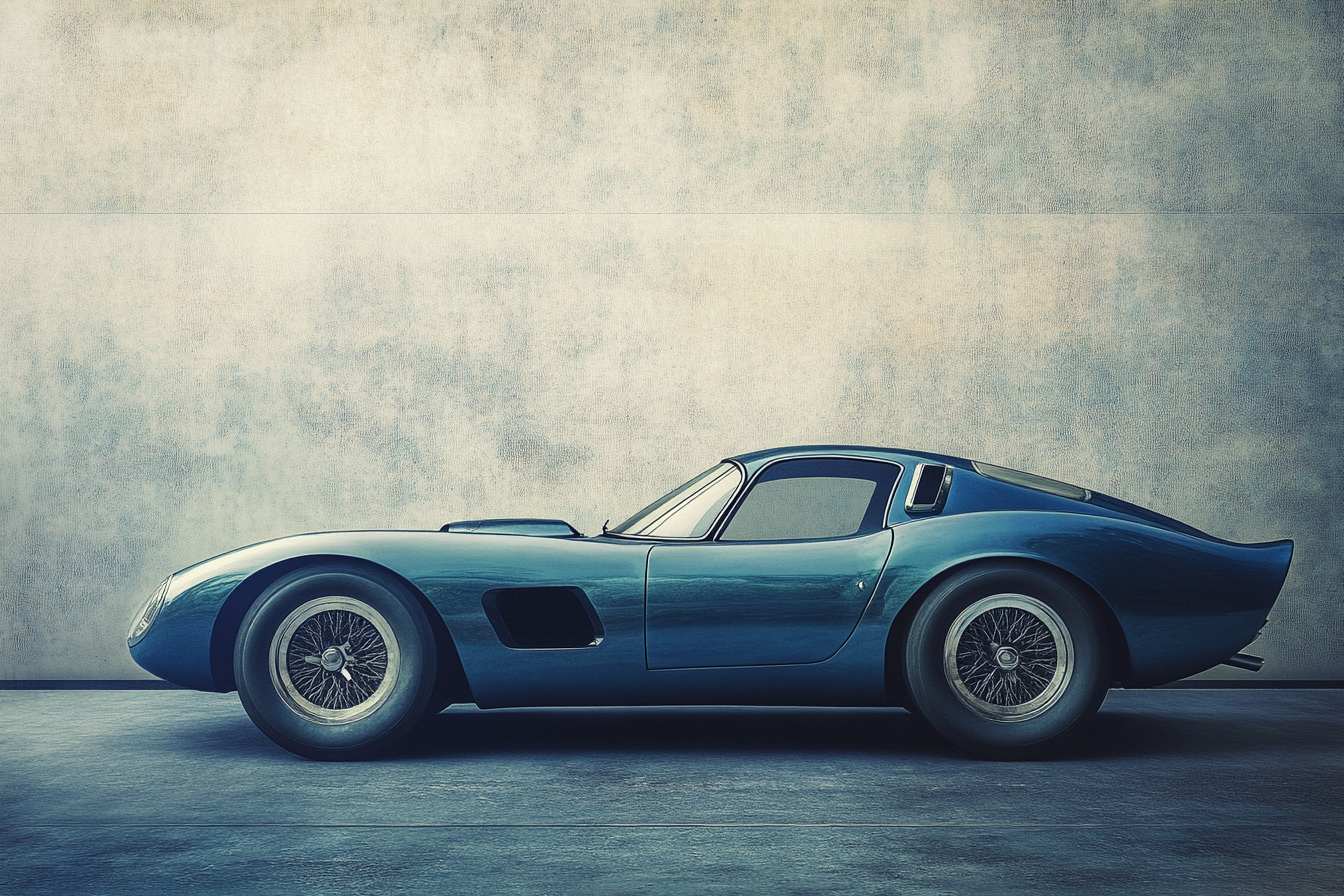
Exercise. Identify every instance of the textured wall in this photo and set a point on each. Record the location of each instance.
(278, 268)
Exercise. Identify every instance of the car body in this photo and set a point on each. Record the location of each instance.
(998, 605)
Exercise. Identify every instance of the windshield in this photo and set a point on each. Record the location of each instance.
(689, 510)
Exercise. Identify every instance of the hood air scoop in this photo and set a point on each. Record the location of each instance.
(538, 528)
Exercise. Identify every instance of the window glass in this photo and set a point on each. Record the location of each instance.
(1031, 480)
(814, 498)
(693, 517)
(689, 510)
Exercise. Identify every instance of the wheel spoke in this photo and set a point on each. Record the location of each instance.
(336, 659)
(1004, 654)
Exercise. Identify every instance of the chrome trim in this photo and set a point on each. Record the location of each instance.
(939, 499)
(1245, 661)
(296, 695)
(989, 679)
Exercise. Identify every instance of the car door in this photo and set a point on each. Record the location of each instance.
(787, 576)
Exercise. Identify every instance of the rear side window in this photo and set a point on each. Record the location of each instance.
(814, 499)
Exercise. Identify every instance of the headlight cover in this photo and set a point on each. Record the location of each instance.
(145, 618)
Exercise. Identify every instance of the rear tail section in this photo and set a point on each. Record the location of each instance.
(1267, 569)
(1195, 604)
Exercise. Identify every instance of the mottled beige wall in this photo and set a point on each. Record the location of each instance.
(271, 268)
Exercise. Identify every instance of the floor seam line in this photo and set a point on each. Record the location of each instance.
(719, 825)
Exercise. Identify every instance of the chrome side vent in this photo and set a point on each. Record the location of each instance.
(928, 488)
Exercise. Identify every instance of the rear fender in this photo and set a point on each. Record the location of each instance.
(1182, 603)
(900, 627)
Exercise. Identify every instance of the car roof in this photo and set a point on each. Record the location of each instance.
(1096, 503)
(754, 460)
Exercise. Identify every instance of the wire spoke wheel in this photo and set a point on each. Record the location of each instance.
(334, 660)
(1008, 657)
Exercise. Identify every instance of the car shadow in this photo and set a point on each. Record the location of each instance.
(1127, 733)
(689, 730)
(466, 731)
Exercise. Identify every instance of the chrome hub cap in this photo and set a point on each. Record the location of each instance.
(334, 660)
(1008, 657)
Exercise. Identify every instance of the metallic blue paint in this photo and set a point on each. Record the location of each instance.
(754, 604)
(759, 623)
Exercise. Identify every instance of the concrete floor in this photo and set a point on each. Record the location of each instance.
(175, 792)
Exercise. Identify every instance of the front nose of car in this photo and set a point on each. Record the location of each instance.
(141, 622)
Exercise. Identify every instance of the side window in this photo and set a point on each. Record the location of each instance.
(688, 511)
(814, 498)
(696, 514)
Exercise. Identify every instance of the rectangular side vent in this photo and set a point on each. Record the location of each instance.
(542, 618)
(928, 488)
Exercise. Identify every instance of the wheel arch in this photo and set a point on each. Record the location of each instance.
(894, 677)
(451, 685)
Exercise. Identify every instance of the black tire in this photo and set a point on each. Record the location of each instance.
(1006, 660)
(334, 663)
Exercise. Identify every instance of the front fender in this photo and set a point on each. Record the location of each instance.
(205, 602)
(177, 647)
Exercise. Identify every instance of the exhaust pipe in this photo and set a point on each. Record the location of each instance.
(1244, 661)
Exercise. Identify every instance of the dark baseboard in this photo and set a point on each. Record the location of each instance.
(1253, 684)
(86, 684)
(142, 684)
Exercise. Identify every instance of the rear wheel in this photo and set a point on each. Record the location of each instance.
(335, 663)
(1006, 661)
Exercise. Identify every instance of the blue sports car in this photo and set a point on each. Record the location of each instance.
(998, 605)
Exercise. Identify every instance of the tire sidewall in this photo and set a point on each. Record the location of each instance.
(398, 713)
(935, 697)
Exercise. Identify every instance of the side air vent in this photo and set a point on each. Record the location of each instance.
(928, 488)
(542, 618)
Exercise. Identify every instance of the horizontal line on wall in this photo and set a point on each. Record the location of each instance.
(759, 214)
(139, 684)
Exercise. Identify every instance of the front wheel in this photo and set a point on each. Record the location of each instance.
(1006, 661)
(335, 663)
